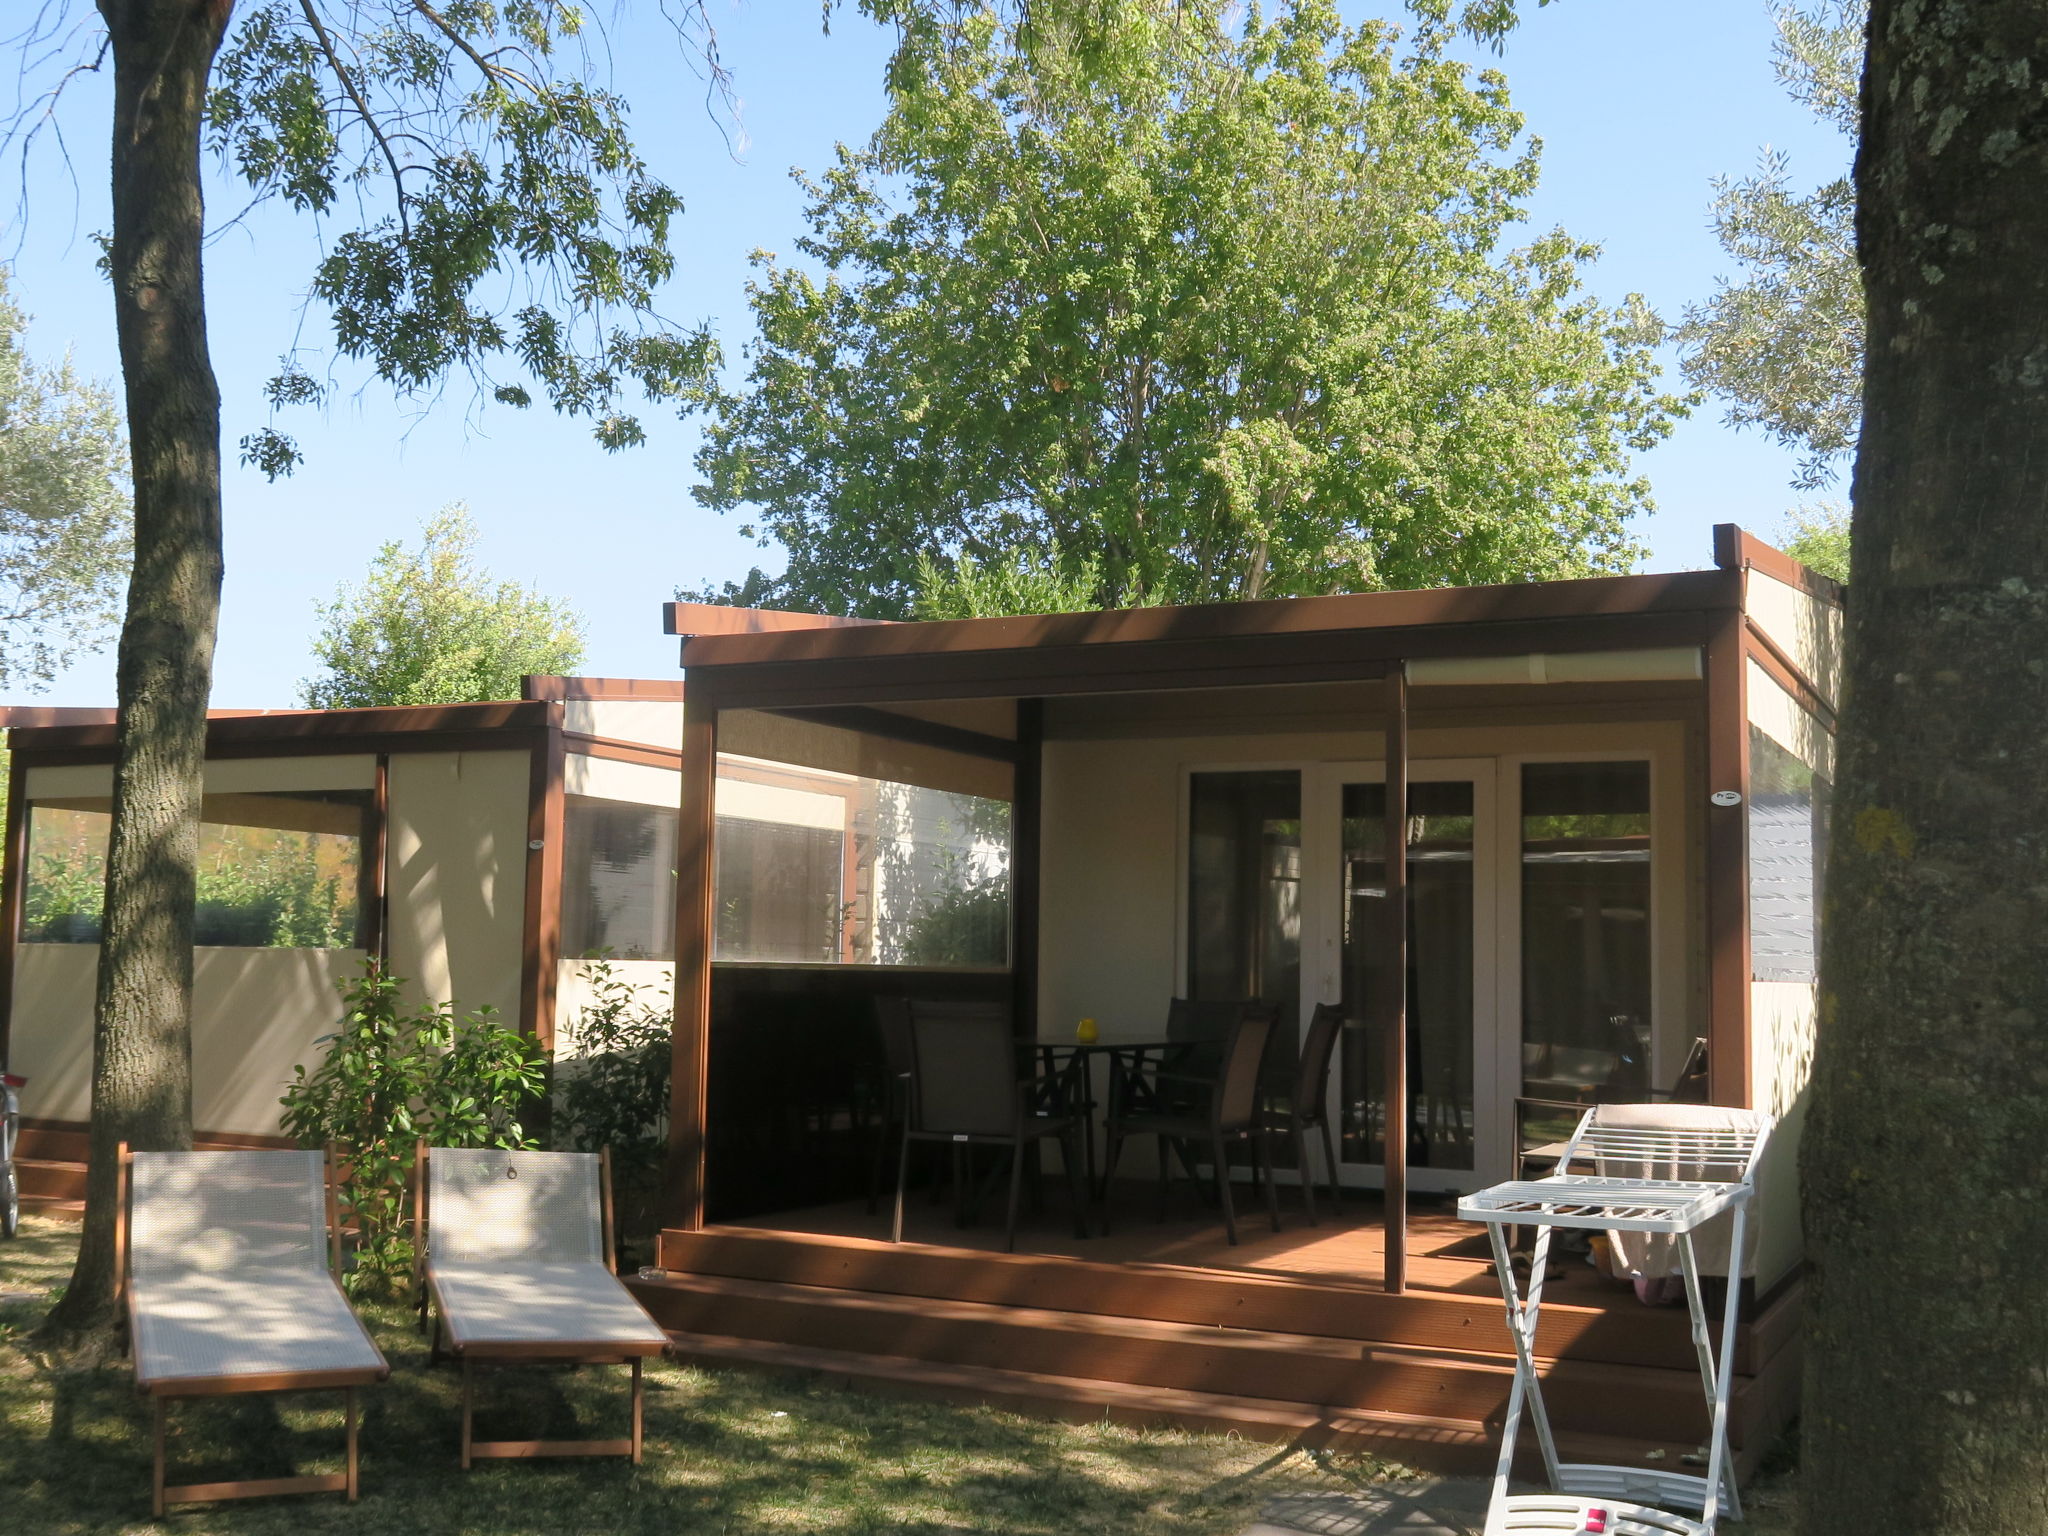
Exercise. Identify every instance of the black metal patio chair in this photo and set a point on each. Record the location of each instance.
(964, 1088)
(1188, 1110)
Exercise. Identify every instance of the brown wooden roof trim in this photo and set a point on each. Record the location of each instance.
(412, 728)
(1736, 548)
(695, 619)
(1590, 598)
(890, 726)
(1233, 662)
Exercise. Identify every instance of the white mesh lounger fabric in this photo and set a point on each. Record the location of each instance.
(517, 1268)
(229, 1289)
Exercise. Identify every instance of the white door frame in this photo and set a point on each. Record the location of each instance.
(1496, 1050)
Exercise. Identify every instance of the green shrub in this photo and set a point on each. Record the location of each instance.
(394, 1073)
(615, 1092)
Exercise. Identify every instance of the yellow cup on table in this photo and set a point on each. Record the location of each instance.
(1085, 1032)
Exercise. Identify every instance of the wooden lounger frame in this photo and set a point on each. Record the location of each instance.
(567, 1352)
(163, 1393)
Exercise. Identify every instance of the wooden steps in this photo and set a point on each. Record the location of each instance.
(51, 1161)
(51, 1166)
(1421, 1377)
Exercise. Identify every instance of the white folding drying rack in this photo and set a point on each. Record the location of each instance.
(1717, 1151)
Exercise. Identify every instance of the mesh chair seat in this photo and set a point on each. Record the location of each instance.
(209, 1327)
(227, 1271)
(523, 1303)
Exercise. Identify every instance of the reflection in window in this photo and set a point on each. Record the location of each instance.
(832, 868)
(281, 869)
(780, 891)
(1788, 810)
(1441, 888)
(1586, 931)
(1244, 891)
(618, 878)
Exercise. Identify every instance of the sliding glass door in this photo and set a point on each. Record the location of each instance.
(1530, 940)
(1452, 1122)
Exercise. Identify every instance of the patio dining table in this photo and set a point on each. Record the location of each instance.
(1127, 1061)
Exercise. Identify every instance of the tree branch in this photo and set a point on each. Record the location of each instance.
(490, 70)
(369, 118)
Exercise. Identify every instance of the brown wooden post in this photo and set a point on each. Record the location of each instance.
(1026, 827)
(12, 876)
(375, 888)
(1727, 843)
(1394, 1149)
(541, 934)
(696, 867)
(122, 1158)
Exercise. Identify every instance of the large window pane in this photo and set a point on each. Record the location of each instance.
(277, 869)
(1440, 940)
(780, 891)
(1586, 931)
(936, 890)
(1244, 891)
(823, 867)
(618, 879)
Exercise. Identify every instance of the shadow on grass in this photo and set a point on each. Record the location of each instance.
(726, 1452)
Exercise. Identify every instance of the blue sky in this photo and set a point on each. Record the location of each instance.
(1638, 105)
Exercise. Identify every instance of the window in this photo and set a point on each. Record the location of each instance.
(1586, 930)
(278, 869)
(780, 891)
(1244, 889)
(1788, 813)
(618, 878)
(822, 867)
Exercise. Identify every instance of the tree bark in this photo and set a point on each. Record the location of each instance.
(142, 1046)
(1926, 1157)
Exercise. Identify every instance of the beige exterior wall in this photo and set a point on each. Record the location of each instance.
(455, 874)
(256, 1013)
(606, 778)
(1782, 1015)
(654, 722)
(1114, 868)
(1803, 627)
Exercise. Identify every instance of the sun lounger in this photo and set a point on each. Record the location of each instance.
(517, 1264)
(229, 1263)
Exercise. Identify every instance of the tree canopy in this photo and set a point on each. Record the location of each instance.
(429, 626)
(64, 523)
(482, 210)
(1202, 304)
(1783, 343)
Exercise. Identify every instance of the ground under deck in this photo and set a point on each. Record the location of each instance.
(1286, 1336)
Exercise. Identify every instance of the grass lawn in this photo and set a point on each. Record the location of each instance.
(726, 1452)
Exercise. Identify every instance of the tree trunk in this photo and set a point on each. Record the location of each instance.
(142, 1045)
(1926, 1158)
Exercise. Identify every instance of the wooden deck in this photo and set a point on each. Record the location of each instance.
(1286, 1337)
(1348, 1247)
